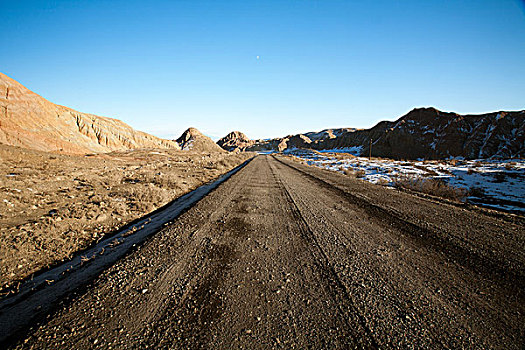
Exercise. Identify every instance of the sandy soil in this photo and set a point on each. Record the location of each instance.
(54, 205)
(287, 256)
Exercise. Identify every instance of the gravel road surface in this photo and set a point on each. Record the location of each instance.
(287, 256)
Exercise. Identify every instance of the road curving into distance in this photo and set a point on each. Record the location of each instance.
(287, 256)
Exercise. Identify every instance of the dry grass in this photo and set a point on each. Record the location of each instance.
(342, 156)
(510, 165)
(360, 173)
(348, 172)
(428, 172)
(431, 186)
(500, 177)
(53, 205)
(294, 158)
(354, 173)
(382, 182)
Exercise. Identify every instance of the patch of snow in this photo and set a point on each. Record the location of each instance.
(355, 150)
(488, 135)
(188, 146)
(501, 182)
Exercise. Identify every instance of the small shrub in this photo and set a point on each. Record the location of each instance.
(348, 172)
(382, 182)
(476, 192)
(429, 172)
(431, 186)
(499, 177)
(360, 173)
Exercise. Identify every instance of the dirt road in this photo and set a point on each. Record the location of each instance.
(287, 256)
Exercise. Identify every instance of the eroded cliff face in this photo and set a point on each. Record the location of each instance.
(432, 134)
(30, 121)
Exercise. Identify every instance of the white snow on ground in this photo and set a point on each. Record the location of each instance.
(498, 184)
(356, 150)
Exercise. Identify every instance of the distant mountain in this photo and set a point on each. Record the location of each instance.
(422, 133)
(30, 121)
(325, 139)
(193, 140)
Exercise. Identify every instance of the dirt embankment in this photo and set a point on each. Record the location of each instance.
(54, 205)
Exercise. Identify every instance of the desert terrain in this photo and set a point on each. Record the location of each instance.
(284, 255)
(54, 205)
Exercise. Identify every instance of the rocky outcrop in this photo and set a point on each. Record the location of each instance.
(325, 139)
(431, 134)
(347, 138)
(193, 140)
(30, 121)
(328, 134)
(422, 133)
(235, 140)
(299, 141)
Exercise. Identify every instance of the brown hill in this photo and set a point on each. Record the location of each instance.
(30, 121)
(193, 140)
(432, 134)
(235, 140)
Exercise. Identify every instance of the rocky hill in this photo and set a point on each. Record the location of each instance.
(325, 139)
(432, 134)
(193, 140)
(422, 133)
(235, 140)
(30, 121)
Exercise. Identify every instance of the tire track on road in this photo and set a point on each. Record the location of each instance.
(469, 258)
(324, 264)
(429, 271)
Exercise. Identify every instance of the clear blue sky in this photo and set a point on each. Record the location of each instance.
(163, 66)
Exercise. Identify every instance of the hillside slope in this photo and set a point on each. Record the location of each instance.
(193, 140)
(235, 140)
(30, 121)
(422, 133)
(431, 134)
